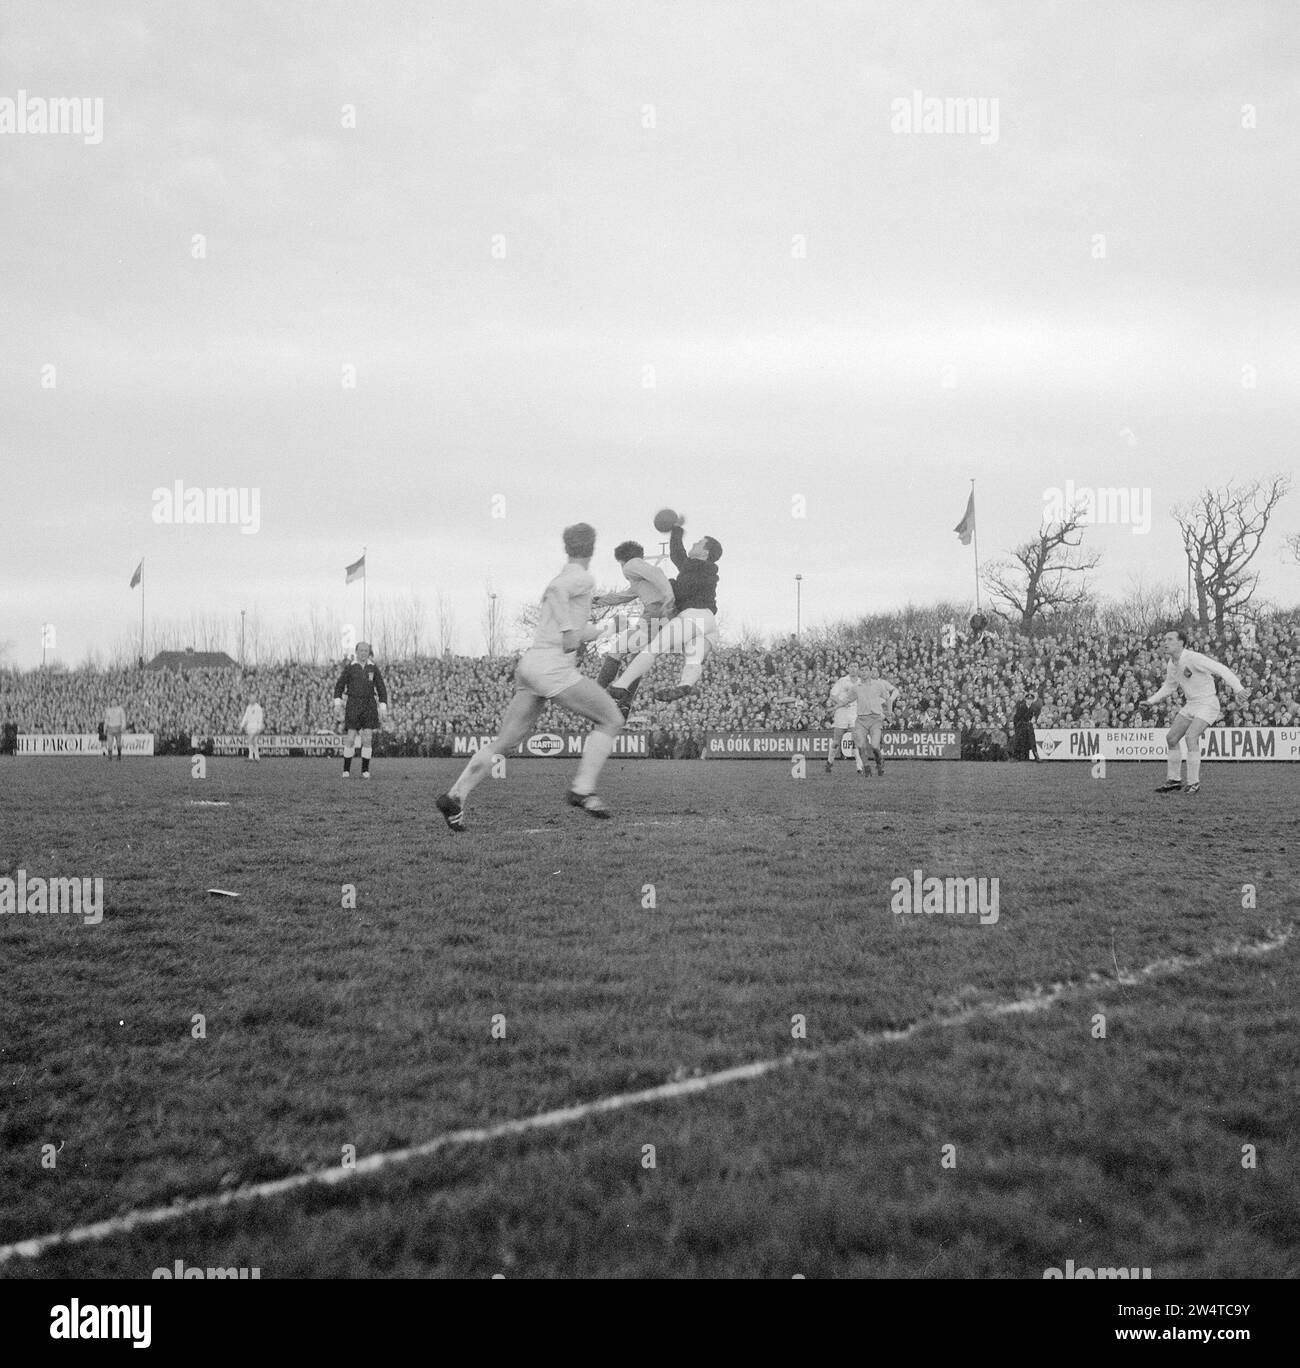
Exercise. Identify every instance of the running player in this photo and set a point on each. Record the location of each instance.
(652, 587)
(365, 688)
(876, 698)
(693, 632)
(253, 724)
(1194, 674)
(844, 701)
(548, 671)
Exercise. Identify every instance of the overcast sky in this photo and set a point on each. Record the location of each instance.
(538, 202)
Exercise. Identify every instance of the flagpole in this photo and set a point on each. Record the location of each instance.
(141, 610)
(975, 529)
(364, 577)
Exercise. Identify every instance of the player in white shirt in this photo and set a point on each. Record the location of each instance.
(1194, 674)
(844, 701)
(253, 724)
(655, 591)
(114, 726)
(548, 671)
(876, 698)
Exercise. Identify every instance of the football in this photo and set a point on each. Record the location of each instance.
(665, 520)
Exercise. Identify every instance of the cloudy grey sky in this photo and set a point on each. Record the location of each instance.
(509, 237)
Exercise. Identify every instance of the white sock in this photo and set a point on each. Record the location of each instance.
(634, 671)
(595, 751)
(1194, 764)
(1172, 761)
(473, 773)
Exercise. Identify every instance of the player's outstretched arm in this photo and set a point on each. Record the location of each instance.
(677, 544)
(1221, 671)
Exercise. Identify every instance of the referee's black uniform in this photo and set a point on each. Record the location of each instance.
(366, 690)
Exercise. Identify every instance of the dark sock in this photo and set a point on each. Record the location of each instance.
(609, 669)
(365, 764)
(347, 764)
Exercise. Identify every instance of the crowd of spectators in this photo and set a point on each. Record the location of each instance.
(972, 685)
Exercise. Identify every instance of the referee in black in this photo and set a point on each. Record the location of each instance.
(367, 707)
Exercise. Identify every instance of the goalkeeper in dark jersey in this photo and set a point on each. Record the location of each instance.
(367, 707)
(693, 633)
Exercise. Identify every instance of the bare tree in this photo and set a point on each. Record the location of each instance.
(1144, 610)
(446, 624)
(295, 640)
(1046, 575)
(253, 646)
(410, 617)
(751, 638)
(1293, 544)
(1222, 531)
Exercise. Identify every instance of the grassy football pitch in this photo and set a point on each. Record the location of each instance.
(725, 904)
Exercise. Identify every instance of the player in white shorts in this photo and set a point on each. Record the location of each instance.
(1194, 674)
(844, 700)
(114, 726)
(549, 670)
(693, 633)
(876, 698)
(253, 724)
(650, 585)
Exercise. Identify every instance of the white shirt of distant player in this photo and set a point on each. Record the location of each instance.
(1194, 674)
(115, 716)
(845, 694)
(566, 606)
(253, 720)
(875, 697)
(651, 586)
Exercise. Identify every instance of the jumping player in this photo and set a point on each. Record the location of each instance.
(693, 632)
(1194, 674)
(365, 688)
(652, 587)
(876, 698)
(844, 701)
(548, 671)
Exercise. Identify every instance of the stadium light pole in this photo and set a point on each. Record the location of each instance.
(798, 607)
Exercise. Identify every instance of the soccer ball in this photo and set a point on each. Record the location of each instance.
(665, 520)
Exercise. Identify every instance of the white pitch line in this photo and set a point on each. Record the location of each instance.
(1036, 1001)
